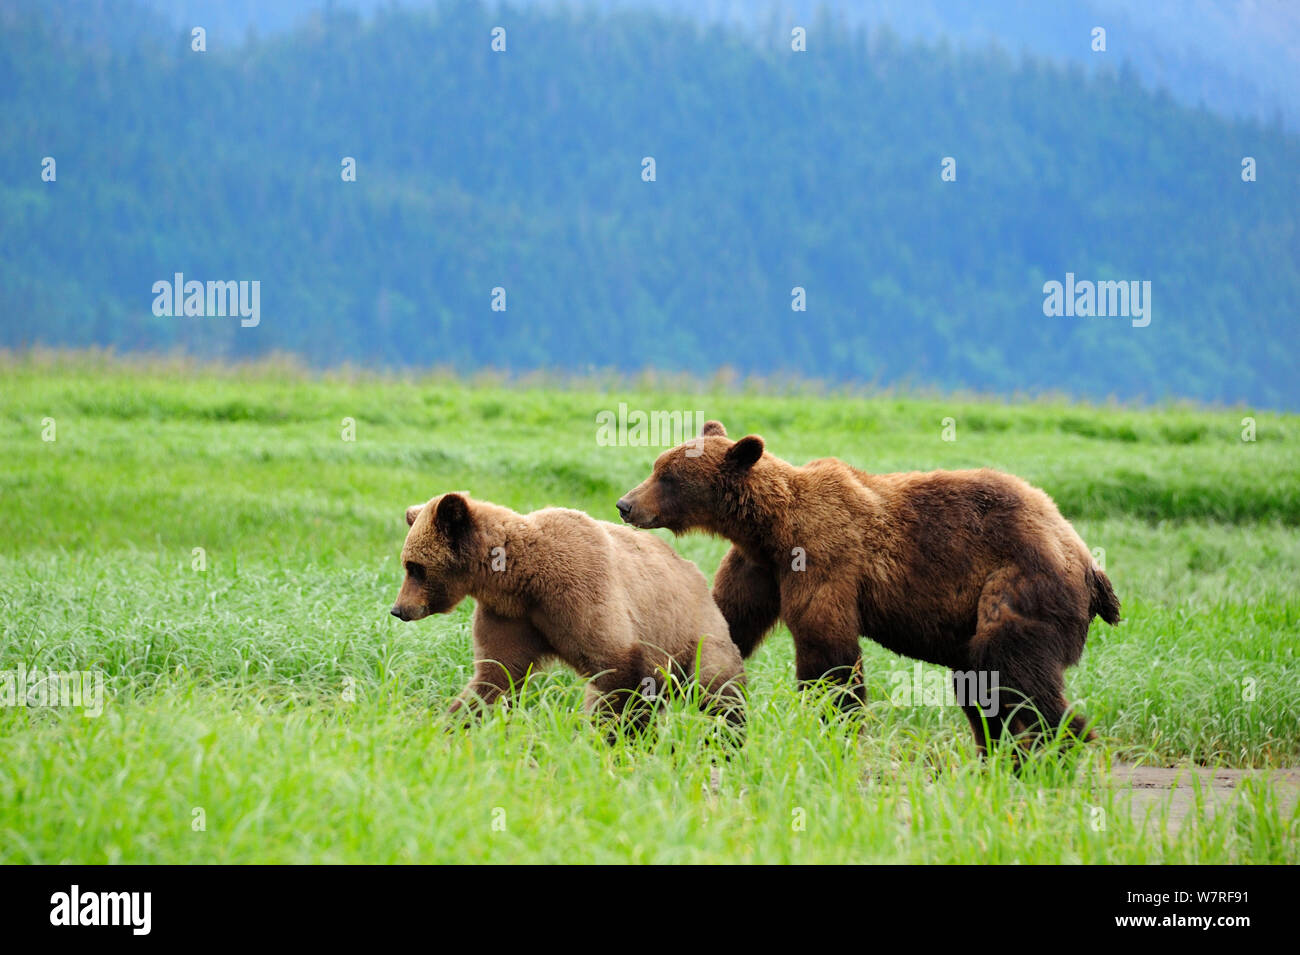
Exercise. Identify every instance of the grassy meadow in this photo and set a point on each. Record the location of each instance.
(207, 539)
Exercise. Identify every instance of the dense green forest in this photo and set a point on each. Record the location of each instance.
(523, 169)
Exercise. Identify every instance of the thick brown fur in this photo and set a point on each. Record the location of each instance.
(619, 606)
(973, 570)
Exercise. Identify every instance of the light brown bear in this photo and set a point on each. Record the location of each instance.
(619, 606)
(973, 570)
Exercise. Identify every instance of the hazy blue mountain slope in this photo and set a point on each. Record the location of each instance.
(523, 171)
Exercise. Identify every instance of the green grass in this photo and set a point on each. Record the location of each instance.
(272, 691)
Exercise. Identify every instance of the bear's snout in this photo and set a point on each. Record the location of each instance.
(633, 513)
(402, 612)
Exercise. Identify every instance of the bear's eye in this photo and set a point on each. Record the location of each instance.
(415, 570)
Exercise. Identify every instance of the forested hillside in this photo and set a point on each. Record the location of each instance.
(1239, 57)
(523, 170)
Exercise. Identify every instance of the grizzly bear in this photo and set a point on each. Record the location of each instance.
(617, 605)
(976, 571)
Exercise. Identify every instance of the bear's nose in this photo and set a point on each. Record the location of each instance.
(624, 508)
(398, 613)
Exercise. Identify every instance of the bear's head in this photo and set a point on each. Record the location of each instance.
(696, 484)
(436, 556)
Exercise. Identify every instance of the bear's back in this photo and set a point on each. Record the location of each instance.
(664, 596)
(1008, 515)
(638, 555)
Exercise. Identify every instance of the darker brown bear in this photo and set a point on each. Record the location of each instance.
(618, 605)
(972, 570)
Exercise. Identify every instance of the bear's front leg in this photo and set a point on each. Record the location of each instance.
(505, 650)
(749, 596)
(826, 649)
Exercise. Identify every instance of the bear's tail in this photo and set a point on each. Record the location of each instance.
(1103, 602)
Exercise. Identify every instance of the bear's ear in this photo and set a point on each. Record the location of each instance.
(452, 517)
(742, 455)
(713, 429)
(412, 513)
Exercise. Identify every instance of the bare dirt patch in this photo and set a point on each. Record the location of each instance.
(1155, 787)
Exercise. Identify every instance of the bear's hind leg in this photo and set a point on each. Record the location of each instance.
(1028, 688)
(622, 694)
(1043, 718)
(1023, 660)
(720, 676)
(986, 726)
